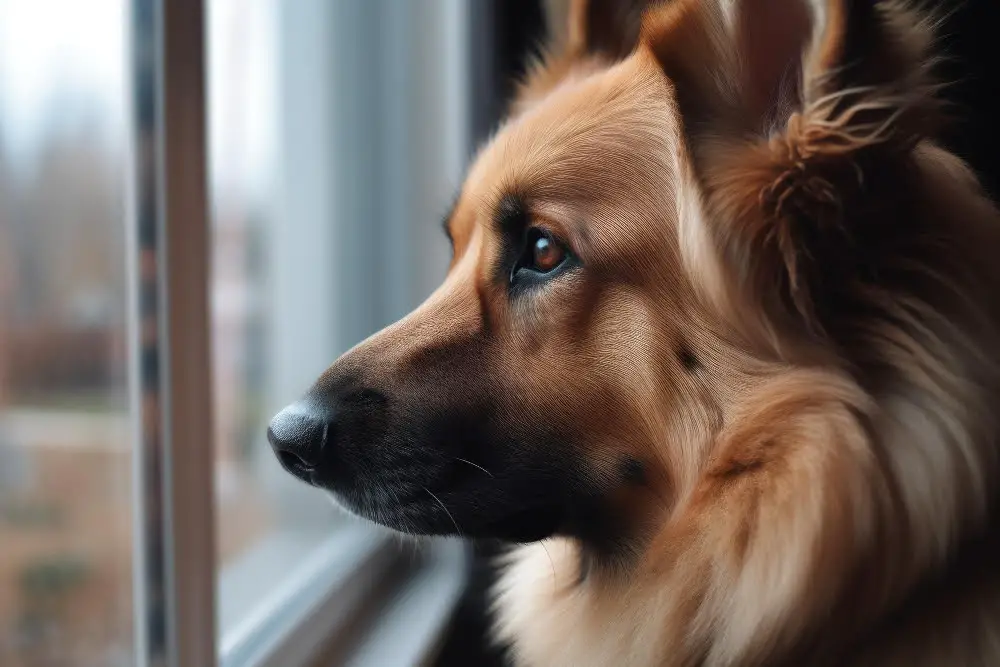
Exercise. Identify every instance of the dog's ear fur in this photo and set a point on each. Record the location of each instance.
(795, 114)
(582, 35)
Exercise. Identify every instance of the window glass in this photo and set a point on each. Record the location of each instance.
(337, 140)
(265, 519)
(65, 464)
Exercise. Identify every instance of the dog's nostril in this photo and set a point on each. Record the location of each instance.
(294, 462)
(298, 436)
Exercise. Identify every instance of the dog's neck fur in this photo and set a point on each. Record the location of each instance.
(950, 618)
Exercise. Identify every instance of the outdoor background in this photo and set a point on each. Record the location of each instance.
(65, 460)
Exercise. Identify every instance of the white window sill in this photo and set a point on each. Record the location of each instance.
(316, 609)
(409, 628)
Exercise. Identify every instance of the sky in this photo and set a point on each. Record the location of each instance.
(55, 51)
(63, 61)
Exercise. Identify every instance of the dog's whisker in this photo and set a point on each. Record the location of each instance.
(474, 465)
(438, 500)
(551, 562)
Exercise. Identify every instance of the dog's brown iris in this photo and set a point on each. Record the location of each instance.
(546, 254)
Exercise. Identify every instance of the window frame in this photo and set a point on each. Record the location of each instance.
(167, 228)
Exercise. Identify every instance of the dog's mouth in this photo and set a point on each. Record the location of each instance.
(428, 513)
(465, 501)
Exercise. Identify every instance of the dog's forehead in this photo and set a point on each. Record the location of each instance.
(597, 138)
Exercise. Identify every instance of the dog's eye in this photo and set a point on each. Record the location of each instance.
(542, 253)
(542, 257)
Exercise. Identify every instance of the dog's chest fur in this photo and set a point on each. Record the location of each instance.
(551, 615)
(548, 615)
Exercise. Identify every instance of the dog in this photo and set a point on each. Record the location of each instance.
(716, 350)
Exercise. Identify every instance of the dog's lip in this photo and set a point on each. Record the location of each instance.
(357, 500)
(420, 510)
(404, 512)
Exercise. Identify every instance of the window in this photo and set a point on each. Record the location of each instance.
(327, 194)
(65, 457)
(190, 231)
(264, 519)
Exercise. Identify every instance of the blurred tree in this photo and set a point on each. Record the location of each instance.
(8, 273)
(65, 226)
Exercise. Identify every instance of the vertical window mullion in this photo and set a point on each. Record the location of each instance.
(170, 338)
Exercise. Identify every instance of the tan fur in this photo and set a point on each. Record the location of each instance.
(786, 312)
(808, 514)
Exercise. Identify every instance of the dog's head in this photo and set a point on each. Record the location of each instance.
(628, 255)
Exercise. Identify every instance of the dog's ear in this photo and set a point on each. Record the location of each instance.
(582, 34)
(795, 113)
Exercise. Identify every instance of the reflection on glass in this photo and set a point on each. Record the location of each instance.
(65, 495)
(266, 521)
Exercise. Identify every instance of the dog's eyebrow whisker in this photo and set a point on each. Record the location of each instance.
(438, 500)
(474, 465)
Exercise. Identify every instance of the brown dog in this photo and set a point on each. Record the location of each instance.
(718, 340)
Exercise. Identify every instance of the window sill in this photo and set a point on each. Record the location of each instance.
(319, 610)
(409, 626)
(323, 587)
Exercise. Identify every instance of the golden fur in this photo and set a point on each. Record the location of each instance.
(765, 399)
(826, 482)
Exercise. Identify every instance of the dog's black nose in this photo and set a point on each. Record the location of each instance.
(298, 435)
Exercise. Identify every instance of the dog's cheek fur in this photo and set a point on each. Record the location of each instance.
(602, 364)
(791, 492)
